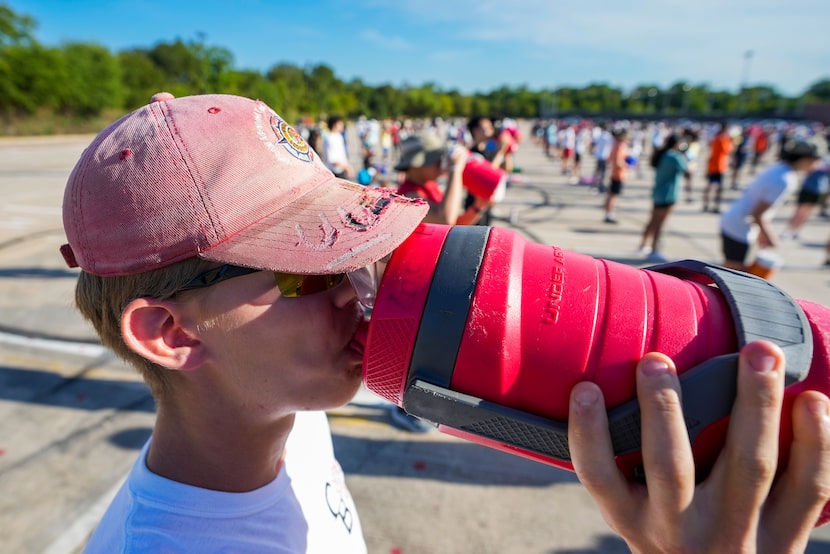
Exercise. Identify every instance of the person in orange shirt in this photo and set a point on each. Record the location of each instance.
(719, 150)
(619, 167)
(760, 147)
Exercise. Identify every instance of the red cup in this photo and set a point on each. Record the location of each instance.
(484, 180)
(765, 265)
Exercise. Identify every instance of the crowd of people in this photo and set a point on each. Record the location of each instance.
(734, 155)
(694, 160)
(603, 155)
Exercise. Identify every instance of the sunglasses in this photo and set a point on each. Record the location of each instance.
(364, 281)
(291, 285)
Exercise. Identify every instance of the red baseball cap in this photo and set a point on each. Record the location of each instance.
(223, 178)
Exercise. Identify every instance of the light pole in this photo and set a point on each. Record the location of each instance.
(744, 79)
(747, 60)
(686, 88)
(634, 101)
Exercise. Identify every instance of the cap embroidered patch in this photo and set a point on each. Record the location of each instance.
(291, 139)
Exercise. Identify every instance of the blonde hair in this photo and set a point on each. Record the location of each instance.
(101, 300)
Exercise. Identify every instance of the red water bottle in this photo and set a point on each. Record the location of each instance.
(485, 334)
(484, 180)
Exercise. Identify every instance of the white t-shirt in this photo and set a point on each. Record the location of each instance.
(772, 186)
(568, 138)
(602, 146)
(636, 144)
(582, 138)
(306, 508)
(334, 146)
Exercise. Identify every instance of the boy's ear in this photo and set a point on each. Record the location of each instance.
(158, 331)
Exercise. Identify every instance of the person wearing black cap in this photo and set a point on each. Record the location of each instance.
(423, 157)
(747, 222)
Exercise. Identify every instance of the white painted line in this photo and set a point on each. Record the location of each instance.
(32, 209)
(82, 348)
(71, 540)
(368, 398)
(19, 223)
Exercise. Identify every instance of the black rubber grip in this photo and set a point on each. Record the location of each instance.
(448, 304)
(760, 310)
(486, 419)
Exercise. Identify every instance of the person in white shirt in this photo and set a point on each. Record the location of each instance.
(581, 144)
(602, 150)
(334, 148)
(567, 141)
(746, 223)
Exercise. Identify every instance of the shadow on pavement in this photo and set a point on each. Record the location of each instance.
(131, 439)
(442, 460)
(37, 273)
(50, 389)
(605, 544)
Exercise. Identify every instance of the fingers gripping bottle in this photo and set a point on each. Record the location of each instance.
(485, 334)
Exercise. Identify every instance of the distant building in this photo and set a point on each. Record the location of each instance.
(818, 112)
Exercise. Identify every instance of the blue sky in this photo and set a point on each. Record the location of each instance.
(478, 45)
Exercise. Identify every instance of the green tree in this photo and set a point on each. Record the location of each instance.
(254, 85)
(15, 29)
(385, 101)
(182, 70)
(31, 78)
(526, 103)
(637, 100)
(697, 101)
(462, 104)
(93, 79)
(345, 102)
(422, 101)
(16, 42)
(818, 91)
(598, 98)
(323, 91)
(216, 65)
(676, 98)
(192, 68)
(500, 100)
(480, 105)
(140, 77)
(759, 100)
(723, 103)
(289, 83)
(362, 95)
(566, 100)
